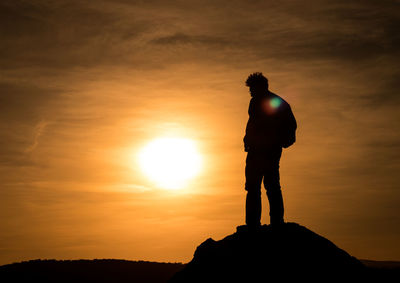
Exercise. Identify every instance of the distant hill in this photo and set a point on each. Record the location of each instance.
(97, 270)
(387, 265)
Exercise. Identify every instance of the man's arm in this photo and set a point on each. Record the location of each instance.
(250, 124)
(252, 108)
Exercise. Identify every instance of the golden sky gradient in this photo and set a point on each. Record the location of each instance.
(84, 85)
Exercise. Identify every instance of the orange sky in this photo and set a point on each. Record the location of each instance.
(84, 86)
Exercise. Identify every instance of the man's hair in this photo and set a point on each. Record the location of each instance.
(256, 79)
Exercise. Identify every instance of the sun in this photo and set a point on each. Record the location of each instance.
(170, 162)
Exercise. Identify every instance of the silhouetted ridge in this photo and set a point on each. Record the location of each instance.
(84, 271)
(269, 254)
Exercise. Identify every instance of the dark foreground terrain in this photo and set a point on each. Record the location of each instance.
(284, 253)
(269, 254)
(114, 270)
(97, 270)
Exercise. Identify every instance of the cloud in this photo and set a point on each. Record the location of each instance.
(39, 129)
(181, 38)
(23, 108)
(25, 102)
(64, 35)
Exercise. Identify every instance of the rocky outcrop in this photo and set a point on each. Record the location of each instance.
(270, 254)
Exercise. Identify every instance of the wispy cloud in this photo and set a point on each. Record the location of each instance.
(39, 129)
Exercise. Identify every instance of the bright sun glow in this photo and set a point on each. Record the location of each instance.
(170, 162)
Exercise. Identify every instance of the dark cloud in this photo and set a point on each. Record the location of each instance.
(382, 91)
(64, 35)
(21, 102)
(71, 34)
(24, 107)
(181, 38)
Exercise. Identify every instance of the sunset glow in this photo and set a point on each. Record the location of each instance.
(123, 123)
(170, 162)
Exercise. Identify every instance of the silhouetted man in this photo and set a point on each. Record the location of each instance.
(270, 127)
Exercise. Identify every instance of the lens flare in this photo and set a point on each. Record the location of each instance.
(275, 102)
(271, 105)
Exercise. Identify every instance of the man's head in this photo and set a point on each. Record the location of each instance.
(257, 83)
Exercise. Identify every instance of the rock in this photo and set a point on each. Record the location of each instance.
(270, 254)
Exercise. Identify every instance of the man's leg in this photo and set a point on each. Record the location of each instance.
(253, 187)
(273, 187)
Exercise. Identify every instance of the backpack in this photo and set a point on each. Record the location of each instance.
(289, 138)
(289, 126)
